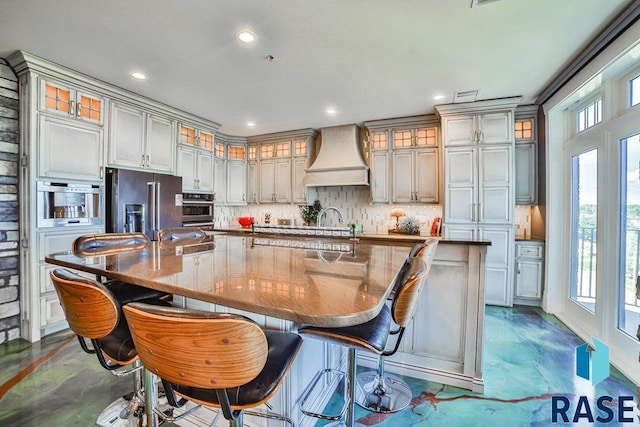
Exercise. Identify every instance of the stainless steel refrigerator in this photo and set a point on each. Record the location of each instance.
(142, 201)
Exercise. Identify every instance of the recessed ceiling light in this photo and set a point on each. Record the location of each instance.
(246, 36)
(251, 124)
(438, 97)
(331, 111)
(139, 76)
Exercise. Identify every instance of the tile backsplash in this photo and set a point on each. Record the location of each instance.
(353, 201)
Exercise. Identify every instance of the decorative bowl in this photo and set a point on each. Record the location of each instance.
(245, 221)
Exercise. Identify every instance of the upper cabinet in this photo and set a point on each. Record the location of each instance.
(480, 128)
(237, 174)
(141, 140)
(70, 102)
(70, 151)
(69, 122)
(404, 160)
(479, 202)
(526, 155)
(277, 167)
(195, 159)
(194, 137)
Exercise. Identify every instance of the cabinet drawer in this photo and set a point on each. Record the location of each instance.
(529, 251)
(50, 310)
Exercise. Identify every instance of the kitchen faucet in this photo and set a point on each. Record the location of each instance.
(324, 211)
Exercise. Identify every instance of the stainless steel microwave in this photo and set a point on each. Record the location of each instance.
(61, 204)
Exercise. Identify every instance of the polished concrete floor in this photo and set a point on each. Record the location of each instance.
(529, 358)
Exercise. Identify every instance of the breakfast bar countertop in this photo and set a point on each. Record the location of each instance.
(324, 282)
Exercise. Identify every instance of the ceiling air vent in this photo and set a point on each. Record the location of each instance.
(466, 96)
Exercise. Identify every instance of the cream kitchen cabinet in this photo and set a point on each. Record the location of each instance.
(192, 136)
(195, 166)
(403, 156)
(479, 199)
(526, 156)
(220, 181)
(252, 182)
(141, 140)
(42, 312)
(301, 149)
(378, 156)
(236, 174)
(300, 190)
(71, 102)
(68, 150)
(275, 172)
(415, 176)
(529, 272)
(275, 181)
(236, 182)
(252, 173)
(479, 185)
(499, 265)
(482, 128)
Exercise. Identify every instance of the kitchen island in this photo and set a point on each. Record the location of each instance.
(280, 281)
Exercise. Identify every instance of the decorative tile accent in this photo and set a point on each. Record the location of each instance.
(354, 203)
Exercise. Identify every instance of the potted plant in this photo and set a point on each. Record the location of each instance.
(309, 213)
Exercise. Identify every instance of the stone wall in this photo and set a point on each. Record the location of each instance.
(9, 208)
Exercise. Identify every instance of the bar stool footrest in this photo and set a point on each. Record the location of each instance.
(335, 379)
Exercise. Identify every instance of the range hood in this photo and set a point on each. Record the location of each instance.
(339, 161)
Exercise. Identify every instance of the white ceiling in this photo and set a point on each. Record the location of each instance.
(369, 59)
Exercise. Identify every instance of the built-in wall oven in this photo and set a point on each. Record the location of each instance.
(197, 210)
(61, 204)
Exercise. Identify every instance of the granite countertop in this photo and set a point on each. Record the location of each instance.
(529, 239)
(389, 238)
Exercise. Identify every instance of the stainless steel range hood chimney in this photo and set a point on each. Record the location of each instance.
(339, 161)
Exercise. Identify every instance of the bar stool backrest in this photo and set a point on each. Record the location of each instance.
(407, 295)
(181, 233)
(196, 348)
(91, 310)
(108, 243)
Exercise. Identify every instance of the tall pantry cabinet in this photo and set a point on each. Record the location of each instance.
(479, 183)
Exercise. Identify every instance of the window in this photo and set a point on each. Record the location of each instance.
(523, 129)
(378, 140)
(300, 148)
(634, 91)
(589, 116)
(253, 152)
(56, 98)
(629, 305)
(187, 135)
(236, 152)
(219, 150)
(205, 140)
(402, 138)
(426, 137)
(584, 228)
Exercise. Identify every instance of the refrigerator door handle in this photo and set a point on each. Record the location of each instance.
(153, 207)
(156, 208)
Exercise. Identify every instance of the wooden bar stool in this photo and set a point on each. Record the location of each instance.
(374, 334)
(219, 360)
(94, 312)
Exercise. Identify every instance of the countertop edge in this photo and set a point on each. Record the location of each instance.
(388, 238)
